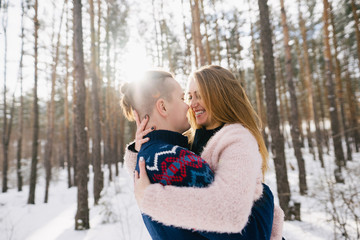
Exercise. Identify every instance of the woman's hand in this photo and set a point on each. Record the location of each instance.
(140, 182)
(141, 131)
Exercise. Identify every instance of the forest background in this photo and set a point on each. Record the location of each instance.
(63, 62)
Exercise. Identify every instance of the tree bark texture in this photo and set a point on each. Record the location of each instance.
(34, 157)
(335, 125)
(357, 30)
(66, 108)
(197, 34)
(74, 145)
(309, 86)
(187, 60)
(82, 214)
(96, 141)
(217, 35)
(339, 89)
(208, 55)
(5, 136)
(51, 118)
(294, 114)
(107, 137)
(277, 140)
(21, 111)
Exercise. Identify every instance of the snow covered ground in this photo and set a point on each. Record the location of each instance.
(118, 217)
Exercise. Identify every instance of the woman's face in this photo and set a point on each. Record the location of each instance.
(198, 106)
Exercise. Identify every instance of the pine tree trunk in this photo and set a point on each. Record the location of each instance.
(228, 57)
(5, 160)
(357, 30)
(107, 142)
(82, 214)
(351, 102)
(187, 67)
(279, 77)
(310, 93)
(319, 99)
(287, 109)
(339, 88)
(208, 55)
(327, 106)
(304, 102)
(302, 106)
(116, 112)
(353, 111)
(34, 158)
(21, 110)
(115, 147)
(98, 40)
(107, 137)
(168, 46)
(74, 146)
(280, 91)
(272, 111)
(239, 48)
(193, 35)
(294, 130)
(217, 35)
(115, 130)
(259, 87)
(335, 126)
(66, 107)
(96, 143)
(51, 118)
(5, 142)
(197, 33)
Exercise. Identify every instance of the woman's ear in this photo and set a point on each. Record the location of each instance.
(161, 107)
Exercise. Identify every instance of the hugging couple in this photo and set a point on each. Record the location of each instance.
(199, 158)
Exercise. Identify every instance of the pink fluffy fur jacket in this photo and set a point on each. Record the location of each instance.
(223, 206)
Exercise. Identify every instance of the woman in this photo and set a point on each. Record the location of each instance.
(236, 152)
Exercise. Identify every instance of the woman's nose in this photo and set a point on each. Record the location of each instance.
(193, 102)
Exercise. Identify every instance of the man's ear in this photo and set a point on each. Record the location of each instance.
(161, 107)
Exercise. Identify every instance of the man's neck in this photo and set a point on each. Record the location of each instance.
(159, 124)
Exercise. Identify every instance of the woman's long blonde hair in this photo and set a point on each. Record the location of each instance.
(226, 102)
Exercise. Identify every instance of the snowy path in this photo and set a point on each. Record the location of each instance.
(55, 220)
(118, 217)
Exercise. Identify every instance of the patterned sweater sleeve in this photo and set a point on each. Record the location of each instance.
(223, 206)
(180, 168)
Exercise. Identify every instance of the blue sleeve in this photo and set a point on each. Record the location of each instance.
(181, 168)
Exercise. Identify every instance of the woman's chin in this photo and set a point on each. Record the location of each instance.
(200, 122)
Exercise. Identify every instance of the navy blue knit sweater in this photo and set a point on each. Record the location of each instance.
(169, 162)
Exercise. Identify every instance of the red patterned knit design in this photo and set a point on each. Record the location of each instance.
(177, 169)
